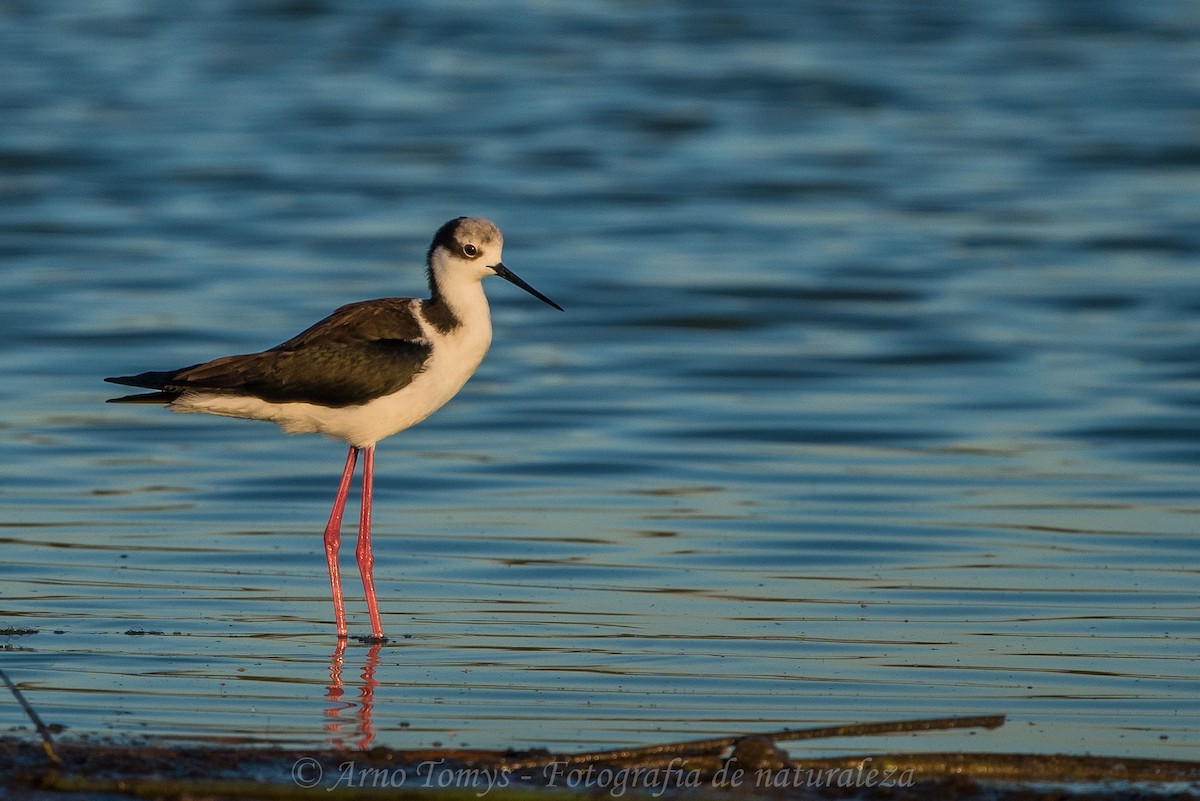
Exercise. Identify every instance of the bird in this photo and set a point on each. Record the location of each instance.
(367, 371)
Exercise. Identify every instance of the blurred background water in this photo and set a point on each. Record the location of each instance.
(875, 396)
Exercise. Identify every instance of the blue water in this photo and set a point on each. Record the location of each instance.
(875, 397)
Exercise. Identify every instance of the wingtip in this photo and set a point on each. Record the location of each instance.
(126, 380)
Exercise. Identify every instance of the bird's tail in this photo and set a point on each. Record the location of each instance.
(157, 380)
(146, 397)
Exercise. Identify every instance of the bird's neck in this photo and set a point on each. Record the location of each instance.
(454, 305)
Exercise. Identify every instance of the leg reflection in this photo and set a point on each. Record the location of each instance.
(341, 724)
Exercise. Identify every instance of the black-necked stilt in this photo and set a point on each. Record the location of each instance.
(365, 372)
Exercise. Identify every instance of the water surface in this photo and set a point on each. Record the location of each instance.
(875, 396)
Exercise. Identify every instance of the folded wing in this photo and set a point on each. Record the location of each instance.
(360, 352)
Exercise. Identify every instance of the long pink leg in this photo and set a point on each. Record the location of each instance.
(333, 541)
(366, 559)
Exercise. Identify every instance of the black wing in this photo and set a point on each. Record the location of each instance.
(360, 352)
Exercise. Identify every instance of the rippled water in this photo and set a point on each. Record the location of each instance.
(875, 396)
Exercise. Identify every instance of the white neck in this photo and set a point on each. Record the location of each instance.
(459, 285)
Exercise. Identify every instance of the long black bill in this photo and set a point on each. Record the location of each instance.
(513, 278)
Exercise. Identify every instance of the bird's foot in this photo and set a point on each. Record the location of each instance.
(372, 639)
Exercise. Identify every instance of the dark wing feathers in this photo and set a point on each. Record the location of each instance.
(331, 374)
(366, 321)
(360, 352)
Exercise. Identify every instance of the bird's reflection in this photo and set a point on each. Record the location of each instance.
(343, 724)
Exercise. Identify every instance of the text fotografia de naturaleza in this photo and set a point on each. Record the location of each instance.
(615, 782)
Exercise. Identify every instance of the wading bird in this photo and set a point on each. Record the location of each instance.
(365, 372)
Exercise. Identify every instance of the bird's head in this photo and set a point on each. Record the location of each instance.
(470, 249)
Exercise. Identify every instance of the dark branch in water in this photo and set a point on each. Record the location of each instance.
(47, 743)
(715, 745)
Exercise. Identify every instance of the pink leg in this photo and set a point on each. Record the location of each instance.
(333, 541)
(366, 559)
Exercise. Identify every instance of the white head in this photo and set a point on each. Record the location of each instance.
(469, 249)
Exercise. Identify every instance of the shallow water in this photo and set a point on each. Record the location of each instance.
(875, 396)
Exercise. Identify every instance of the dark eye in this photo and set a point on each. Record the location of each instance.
(470, 251)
